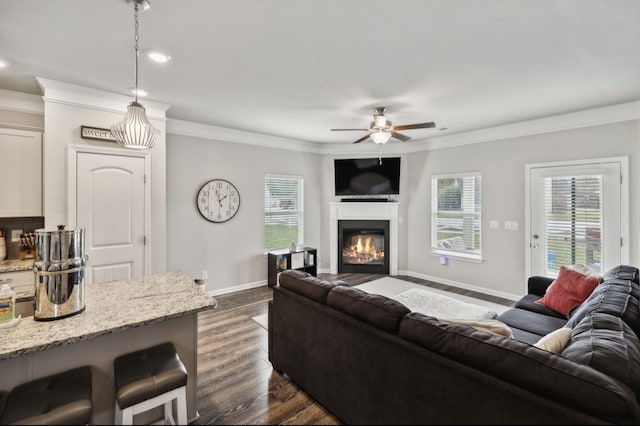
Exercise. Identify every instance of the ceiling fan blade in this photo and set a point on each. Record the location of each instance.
(415, 126)
(361, 139)
(400, 136)
(342, 130)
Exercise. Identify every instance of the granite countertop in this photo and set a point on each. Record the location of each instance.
(110, 307)
(14, 265)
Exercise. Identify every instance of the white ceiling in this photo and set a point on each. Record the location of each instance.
(297, 68)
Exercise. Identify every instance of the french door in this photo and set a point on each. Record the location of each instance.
(577, 213)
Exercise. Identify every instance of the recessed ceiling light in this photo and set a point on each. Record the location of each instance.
(141, 92)
(158, 56)
(4, 64)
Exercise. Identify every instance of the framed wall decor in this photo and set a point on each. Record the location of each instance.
(96, 133)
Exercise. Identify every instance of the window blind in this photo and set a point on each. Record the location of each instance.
(283, 211)
(456, 213)
(573, 221)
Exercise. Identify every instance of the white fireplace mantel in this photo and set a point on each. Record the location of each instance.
(364, 211)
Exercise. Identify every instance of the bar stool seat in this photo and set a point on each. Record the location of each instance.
(149, 378)
(59, 399)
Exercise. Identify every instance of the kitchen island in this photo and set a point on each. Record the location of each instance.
(120, 317)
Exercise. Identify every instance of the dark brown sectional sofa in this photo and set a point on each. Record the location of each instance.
(369, 360)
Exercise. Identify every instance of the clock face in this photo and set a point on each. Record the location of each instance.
(218, 200)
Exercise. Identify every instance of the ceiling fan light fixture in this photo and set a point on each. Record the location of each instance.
(135, 131)
(379, 121)
(380, 136)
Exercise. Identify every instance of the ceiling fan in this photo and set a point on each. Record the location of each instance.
(381, 129)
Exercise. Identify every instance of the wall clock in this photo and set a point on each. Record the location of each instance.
(218, 200)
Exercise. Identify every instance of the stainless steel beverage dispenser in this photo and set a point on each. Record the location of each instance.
(59, 269)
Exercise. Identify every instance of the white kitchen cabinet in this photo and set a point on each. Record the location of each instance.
(20, 173)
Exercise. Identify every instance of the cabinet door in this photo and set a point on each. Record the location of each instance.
(20, 173)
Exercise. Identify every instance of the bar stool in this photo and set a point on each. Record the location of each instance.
(150, 378)
(58, 399)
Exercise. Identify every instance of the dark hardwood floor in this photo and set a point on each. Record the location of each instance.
(236, 384)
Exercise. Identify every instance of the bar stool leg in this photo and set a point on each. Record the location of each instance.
(182, 405)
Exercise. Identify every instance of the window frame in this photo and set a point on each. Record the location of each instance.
(477, 216)
(299, 212)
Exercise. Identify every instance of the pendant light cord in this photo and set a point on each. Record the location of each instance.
(136, 48)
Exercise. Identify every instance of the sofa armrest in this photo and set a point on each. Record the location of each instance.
(538, 285)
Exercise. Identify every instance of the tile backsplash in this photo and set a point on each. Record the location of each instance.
(24, 224)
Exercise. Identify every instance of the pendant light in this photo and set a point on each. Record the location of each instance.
(135, 131)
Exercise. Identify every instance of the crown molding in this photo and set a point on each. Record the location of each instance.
(574, 120)
(590, 117)
(72, 94)
(225, 134)
(21, 102)
(67, 93)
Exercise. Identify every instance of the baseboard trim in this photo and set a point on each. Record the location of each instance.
(464, 286)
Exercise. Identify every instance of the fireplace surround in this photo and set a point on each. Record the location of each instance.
(365, 211)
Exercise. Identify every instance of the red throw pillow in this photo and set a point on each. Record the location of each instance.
(569, 290)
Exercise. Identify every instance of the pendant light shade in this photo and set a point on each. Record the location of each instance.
(135, 131)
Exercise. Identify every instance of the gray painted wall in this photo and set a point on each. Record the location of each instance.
(502, 164)
(232, 252)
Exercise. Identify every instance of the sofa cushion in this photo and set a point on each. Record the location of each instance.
(307, 285)
(569, 290)
(377, 310)
(529, 302)
(555, 341)
(620, 298)
(487, 325)
(530, 321)
(544, 373)
(622, 272)
(608, 344)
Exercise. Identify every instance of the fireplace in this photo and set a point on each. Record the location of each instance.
(363, 246)
(365, 211)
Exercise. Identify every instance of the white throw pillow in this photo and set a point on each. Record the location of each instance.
(489, 325)
(555, 341)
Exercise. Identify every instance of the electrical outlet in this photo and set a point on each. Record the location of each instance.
(15, 235)
(205, 274)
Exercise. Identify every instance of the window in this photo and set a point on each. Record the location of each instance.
(455, 215)
(283, 211)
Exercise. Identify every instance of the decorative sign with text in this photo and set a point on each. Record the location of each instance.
(96, 133)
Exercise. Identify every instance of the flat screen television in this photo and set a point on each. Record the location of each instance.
(367, 176)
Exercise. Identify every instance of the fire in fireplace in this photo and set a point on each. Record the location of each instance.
(363, 246)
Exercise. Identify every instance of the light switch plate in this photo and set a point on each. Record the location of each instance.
(494, 224)
(511, 225)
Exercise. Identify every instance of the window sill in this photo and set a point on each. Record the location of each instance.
(461, 256)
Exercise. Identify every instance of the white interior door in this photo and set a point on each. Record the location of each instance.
(110, 205)
(576, 215)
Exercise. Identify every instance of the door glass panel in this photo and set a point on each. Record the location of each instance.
(573, 222)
